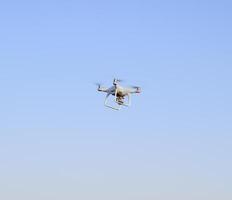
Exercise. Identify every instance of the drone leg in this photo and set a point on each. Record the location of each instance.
(106, 99)
(116, 95)
(129, 101)
(107, 105)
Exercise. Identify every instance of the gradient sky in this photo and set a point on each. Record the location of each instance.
(58, 141)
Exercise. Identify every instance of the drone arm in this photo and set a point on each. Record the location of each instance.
(102, 89)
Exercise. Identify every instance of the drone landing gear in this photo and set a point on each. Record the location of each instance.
(109, 106)
(128, 101)
(119, 101)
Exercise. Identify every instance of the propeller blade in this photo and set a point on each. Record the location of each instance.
(135, 87)
(97, 84)
(117, 81)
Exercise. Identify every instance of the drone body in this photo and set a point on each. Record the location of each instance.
(119, 92)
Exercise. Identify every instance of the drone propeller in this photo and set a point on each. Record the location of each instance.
(117, 81)
(120, 80)
(138, 89)
(98, 85)
(133, 86)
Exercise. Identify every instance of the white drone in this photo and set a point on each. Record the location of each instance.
(119, 92)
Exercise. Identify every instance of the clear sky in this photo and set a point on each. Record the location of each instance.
(58, 141)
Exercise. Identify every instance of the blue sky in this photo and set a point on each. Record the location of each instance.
(58, 141)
